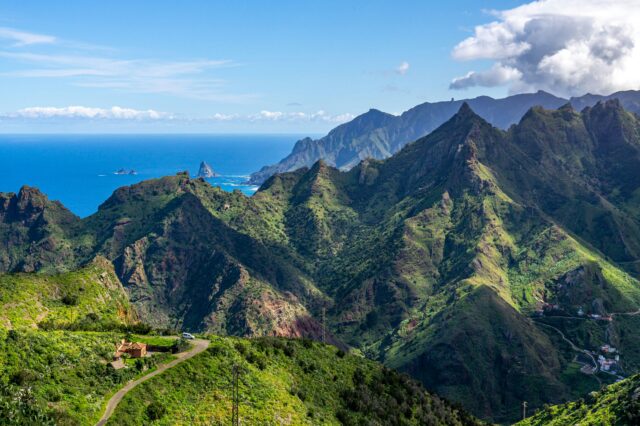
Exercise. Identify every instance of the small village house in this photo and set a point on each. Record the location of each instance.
(134, 349)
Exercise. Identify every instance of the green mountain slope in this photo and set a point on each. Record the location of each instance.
(58, 377)
(463, 259)
(617, 404)
(89, 298)
(34, 232)
(283, 381)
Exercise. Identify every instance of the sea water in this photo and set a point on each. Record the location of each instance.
(79, 170)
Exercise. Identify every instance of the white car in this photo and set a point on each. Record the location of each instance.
(188, 336)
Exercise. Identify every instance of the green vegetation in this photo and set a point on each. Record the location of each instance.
(617, 404)
(297, 382)
(57, 337)
(60, 376)
(91, 298)
(432, 261)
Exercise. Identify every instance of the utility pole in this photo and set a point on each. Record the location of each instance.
(324, 319)
(235, 413)
(524, 410)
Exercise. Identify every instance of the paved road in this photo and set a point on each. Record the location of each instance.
(199, 345)
(575, 348)
(626, 313)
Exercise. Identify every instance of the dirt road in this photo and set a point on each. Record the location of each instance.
(199, 345)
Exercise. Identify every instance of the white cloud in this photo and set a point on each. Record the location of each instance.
(82, 112)
(496, 76)
(23, 38)
(402, 68)
(568, 47)
(224, 117)
(103, 69)
(180, 78)
(300, 116)
(280, 116)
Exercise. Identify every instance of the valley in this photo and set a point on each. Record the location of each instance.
(463, 260)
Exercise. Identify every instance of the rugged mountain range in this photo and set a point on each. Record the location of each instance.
(379, 135)
(436, 261)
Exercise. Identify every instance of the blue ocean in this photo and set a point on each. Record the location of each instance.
(79, 170)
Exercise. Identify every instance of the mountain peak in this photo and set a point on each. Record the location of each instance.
(465, 109)
(32, 197)
(373, 115)
(465, 113)
(566, 107)
(609, 104)
(605, 110)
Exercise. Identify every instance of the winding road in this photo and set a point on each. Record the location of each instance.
(626, 313)
(575, 348)
(199, 345)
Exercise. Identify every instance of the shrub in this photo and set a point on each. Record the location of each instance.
(240, 347)
(140, 328)
(70, 299)
(140, 364)
(156, 411)
(23, 377)
(289, 350)
(21, 406)
(179, 345)
(257, 360)
(358, 377)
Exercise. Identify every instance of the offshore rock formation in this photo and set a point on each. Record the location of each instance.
(206, 171)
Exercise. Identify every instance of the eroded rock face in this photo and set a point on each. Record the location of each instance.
(206, 171)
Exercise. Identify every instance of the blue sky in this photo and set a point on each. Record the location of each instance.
(237, 66)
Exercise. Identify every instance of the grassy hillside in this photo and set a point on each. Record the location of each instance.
(617, 404)
(58, 377)
(91, 298)
(53, 370)
(283, 381)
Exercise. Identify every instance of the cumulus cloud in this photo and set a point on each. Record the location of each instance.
(224, 117)
(402, 68)
(82, 112)
(496, 76)
(568, 47)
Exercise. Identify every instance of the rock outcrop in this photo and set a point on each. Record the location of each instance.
(206, 171)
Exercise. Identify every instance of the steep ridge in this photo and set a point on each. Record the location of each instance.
(368, 136)
(33, 231)
(457, 239)
(438, 261)
(343, 146)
